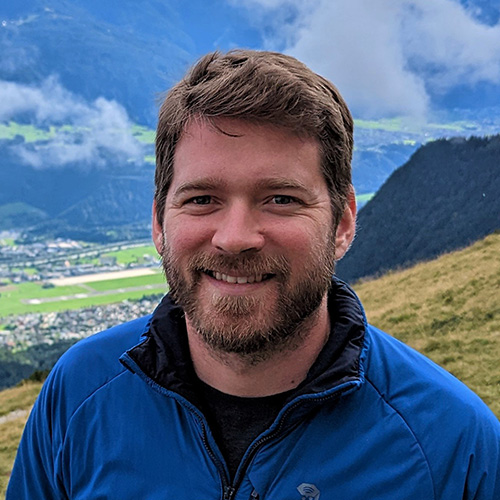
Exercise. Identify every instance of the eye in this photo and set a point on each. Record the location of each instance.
(282, 199)
(200, 200)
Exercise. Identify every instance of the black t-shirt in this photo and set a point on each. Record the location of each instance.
(236, 421)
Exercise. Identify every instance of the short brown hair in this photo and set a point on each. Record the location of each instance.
(263, 88)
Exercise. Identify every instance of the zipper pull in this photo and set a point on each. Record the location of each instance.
(254, 495)
(229, 493)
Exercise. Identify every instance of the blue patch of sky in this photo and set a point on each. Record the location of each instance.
(216, 24)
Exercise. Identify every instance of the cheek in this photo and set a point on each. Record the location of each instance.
(300, 239)
(186, 236)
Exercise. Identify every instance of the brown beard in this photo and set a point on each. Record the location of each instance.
(247, 325)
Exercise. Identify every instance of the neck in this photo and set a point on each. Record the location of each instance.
(234, 374)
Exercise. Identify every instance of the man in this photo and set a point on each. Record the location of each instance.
(257, 376)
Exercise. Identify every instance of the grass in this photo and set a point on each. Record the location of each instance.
(365, 197)
(398, 124)
(21, 397)
(17, 398)
(10, 434)
(133, 255)
(33, 134)
(386, 124)
(13, 295)
(29, 132)
(143, 134)
(448, 309)
(148, 279)
(96, 300)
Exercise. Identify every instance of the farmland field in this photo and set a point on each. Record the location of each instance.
(135, 254)
(33, 297)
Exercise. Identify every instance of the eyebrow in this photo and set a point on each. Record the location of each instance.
(281, 183)
(208, 184)
(213, 183)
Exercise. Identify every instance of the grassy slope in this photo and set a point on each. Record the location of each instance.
(447, 308)
(18, 398)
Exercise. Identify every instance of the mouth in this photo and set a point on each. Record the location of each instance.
(240, 280)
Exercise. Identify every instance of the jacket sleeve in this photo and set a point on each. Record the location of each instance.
(483, 467)
(34, 475)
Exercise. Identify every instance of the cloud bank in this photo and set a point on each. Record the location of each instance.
(92, 134)
(388, 57)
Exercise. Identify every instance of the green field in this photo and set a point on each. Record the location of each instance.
(149, 279)
(133, 255)
(13, 297)
(364, 198)
(31, 133)
(144, 134)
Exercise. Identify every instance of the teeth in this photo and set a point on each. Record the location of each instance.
(237, 279)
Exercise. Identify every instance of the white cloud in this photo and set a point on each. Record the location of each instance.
(93, 131)
(388, 57)
(444, 36)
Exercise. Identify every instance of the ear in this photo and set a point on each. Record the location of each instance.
(347, 227)
(157, 231)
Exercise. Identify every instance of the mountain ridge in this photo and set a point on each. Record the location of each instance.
(444, 198)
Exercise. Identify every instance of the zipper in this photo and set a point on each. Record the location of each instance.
(250, 453)
(229, 492)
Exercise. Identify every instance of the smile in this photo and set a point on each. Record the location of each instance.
(256, 278)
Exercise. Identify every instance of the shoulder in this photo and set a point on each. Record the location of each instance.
(408, 379)
(89, 365)
(453, 427)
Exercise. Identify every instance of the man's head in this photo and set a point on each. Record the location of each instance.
(253, 200)
(262, 88)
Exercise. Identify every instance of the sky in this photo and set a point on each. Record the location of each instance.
(388, 57)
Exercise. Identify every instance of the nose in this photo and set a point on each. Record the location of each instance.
(238, 230)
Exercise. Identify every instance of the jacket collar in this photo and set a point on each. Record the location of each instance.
(163, 356)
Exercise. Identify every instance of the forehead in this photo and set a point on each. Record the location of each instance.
(237, 151)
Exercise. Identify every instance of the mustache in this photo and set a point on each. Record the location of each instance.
(246, 264)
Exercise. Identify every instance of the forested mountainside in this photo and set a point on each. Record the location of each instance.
(445, 197)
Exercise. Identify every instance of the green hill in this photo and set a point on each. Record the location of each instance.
(446, 308)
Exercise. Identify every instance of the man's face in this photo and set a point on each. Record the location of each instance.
(247, 241)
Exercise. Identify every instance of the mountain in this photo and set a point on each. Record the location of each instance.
(444, 198)
(97, 49)
(81, 202)
(80, 78)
